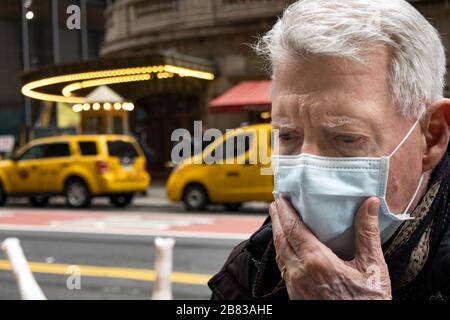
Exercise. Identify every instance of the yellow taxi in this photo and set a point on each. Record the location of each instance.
(79, 167)
(233, 169)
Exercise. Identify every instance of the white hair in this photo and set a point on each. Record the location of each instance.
(350, 28)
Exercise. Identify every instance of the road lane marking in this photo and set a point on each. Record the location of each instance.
(113, 272)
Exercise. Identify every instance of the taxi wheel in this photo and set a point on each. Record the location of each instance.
(121, 200)
(233, 206)
(39, 201)
(3, 195)
(195, 198)
(77, 193)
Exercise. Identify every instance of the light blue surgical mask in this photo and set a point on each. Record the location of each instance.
(327, 193)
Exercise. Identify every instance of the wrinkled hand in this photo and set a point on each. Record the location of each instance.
(312, 271)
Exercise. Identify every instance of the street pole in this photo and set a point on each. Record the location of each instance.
(28, 287)
(26, 67)
(163, 268)
(55, 26)
(56, 50)
(84, 40)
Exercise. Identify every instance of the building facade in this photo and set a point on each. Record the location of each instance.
(221, 31)
(193, 50)
(39, 49)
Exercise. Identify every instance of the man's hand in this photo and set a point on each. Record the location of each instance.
(312, 271)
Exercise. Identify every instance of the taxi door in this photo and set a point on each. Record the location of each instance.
(24, 176)
(50, 169)
(261, 183)
(231, 179)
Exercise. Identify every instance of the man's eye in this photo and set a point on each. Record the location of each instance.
(287, 136)
(348, 138)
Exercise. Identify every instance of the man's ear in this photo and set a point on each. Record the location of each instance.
(437, 133)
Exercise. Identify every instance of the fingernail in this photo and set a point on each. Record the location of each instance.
(272, 207)
(374, 207)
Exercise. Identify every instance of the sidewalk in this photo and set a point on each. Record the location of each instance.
(156, 196)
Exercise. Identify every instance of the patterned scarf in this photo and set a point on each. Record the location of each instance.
(409, 254)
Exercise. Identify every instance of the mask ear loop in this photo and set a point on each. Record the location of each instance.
(398, 147)
(414, 196)
(406, 137)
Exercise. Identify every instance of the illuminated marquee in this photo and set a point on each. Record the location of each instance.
(77, 81)
(117, 106)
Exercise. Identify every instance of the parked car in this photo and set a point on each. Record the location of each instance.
(78, 167)
(232, 182)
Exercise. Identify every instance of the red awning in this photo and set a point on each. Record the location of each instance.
(245, 96)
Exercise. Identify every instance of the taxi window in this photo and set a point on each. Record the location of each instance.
(238, 145)
(88, 148)
(56, 150)
(35, 152)
(122, 149)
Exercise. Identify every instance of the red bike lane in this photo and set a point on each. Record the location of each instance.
(215, 226)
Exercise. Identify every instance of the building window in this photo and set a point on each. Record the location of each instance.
(92, 125)
(118, 125)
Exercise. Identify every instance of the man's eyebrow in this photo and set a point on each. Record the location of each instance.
(337, 122)
(282, 124)
(334, 122)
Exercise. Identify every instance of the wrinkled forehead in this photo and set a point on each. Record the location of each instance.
(334, 91)
(325, 109)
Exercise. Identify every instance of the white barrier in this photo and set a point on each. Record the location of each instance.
(163, 268)
(28, 287)
(30, 290)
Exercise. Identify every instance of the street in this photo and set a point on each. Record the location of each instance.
(114, 250)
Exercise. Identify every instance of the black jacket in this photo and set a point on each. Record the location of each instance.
(251, 273)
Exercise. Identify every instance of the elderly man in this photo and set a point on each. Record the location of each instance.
(361, 178)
